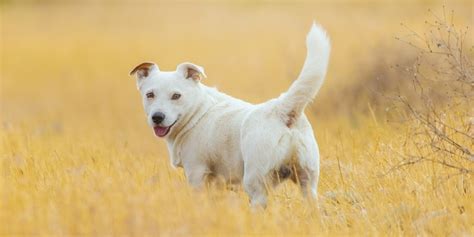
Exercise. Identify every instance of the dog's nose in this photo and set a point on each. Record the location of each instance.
(158, 117)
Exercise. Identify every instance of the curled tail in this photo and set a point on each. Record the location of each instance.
(304, 89)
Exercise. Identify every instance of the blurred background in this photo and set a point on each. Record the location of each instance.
(64, 56)
(75, 140)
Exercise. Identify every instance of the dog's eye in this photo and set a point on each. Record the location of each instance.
(150, 95)
(175, 96)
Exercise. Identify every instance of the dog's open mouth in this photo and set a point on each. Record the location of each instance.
(163, 131)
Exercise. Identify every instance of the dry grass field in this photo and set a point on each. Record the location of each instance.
(76, 156)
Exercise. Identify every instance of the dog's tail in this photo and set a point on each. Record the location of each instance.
(304, 89)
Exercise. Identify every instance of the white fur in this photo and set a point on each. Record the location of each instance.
(216, 135)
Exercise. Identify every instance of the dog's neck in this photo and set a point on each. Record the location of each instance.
(206, 101)
(190, 120)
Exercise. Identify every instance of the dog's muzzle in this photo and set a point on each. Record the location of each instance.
(162, 131)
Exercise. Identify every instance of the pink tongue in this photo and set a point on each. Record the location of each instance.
(160, 131)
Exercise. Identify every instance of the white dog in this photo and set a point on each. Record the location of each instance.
(211, 134)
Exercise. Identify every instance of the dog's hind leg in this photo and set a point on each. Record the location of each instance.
(306, 172)
(260, 152)
(266, 145)
(307, 180)
(260, 164)
(311, 185)
(256, 189)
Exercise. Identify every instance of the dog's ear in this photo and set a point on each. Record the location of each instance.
(143, 71)
(192, 71)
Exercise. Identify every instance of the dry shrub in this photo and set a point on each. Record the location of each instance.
(437, 106)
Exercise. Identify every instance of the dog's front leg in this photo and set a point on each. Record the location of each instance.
(196, 174)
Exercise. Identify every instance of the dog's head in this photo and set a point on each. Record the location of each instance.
(167, 96)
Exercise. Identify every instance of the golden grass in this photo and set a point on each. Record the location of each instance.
(78, 159)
